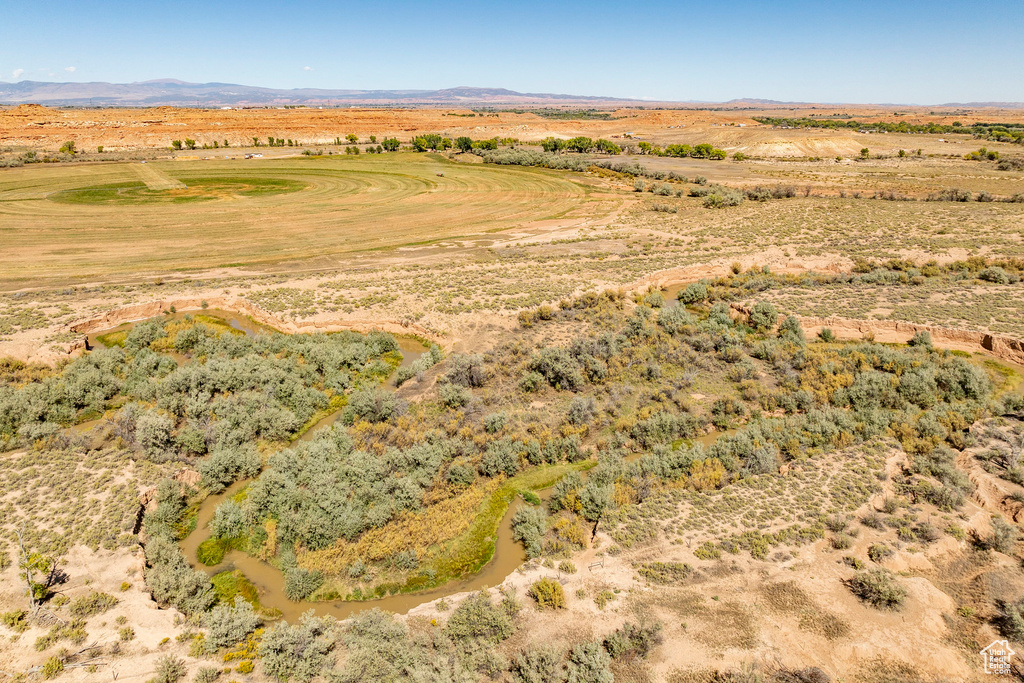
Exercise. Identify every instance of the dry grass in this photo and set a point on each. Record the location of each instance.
(787, 597)
(885, 670)
(73, 495)
(727, 625)
(326, 210)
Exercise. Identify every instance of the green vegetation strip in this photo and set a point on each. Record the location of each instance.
(229, 584)
(475, 548)
(197, 190)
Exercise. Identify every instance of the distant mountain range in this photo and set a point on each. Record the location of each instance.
(175, 93)
(170, 92)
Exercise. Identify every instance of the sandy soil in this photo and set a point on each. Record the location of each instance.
(105, 571)
(706, 620)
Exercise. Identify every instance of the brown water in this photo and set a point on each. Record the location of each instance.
(509, 554)
(235, 320)
(670, 293)
(412, 349)
(269, 580)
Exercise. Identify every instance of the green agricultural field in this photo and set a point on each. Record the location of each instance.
(63, 223)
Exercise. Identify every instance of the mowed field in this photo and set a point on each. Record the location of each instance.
(74, 223)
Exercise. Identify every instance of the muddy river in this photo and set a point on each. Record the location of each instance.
(508, 553)
(269, 580)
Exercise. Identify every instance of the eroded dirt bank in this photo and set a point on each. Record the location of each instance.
(888, 331)
(152, 309)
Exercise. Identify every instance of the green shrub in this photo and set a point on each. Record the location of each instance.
(495, 422)
(879, 551)
(478, 617)
(589, 663)
(676, 319)
(207, 674)
(92, 604)
(15, 620)
(531, 382)
(790, 328)
(169, 669)
(229, 624)
(538, 664)
(1004, 535)
(528, 527)
(301, 651)
(634, 640)
(548, 593)
(708, 550)
(299, 583)
(173, 581)
(454, 396)
(558, 367)
(922, 339)
(53, 667)
(763, 316)
(879, 588)
(695, 292)
(567, 567)
(228, 463)
(510, 603)
(228, 521)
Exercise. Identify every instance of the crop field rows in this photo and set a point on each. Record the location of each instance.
(254, 212)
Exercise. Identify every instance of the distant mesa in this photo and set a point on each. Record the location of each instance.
(172, 92)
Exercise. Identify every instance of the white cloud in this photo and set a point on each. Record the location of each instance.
(307, 68)
(71, 69)
(17, 73)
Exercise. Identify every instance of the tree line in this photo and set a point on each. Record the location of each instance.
(998, 132)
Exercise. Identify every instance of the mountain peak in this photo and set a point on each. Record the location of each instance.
(174, 92)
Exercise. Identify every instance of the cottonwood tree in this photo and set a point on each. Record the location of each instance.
(38, 571)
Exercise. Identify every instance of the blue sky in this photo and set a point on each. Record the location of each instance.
(869, 51)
